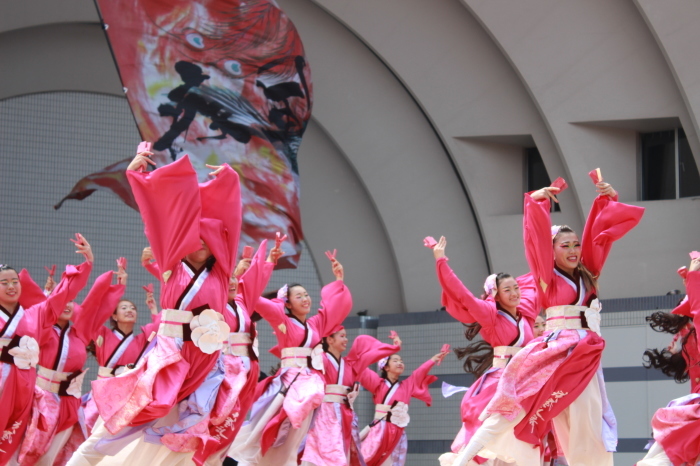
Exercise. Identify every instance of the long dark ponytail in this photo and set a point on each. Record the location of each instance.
(671, 364)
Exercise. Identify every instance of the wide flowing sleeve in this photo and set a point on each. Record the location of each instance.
(169, 202)
(221, 217)
(367, 350)
(32, 293)
(537, 238)
(683, 308)
(254, 281)
(336, 304)
(98, 305)
(272, 310)
(419, 381)
(459, 302)
(692, 286)
(370, 381)
(529, 304)
(607, 222)
(152, 268)
(72, 282)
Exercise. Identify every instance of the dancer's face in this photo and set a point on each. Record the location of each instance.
(201, 255)
(67, 313)
(538, 328)
(338, 341)
(299, 302)
(508, 294)
(394, 365)
(125, 313)
(232, 288)
(567, 251)
(10, 289)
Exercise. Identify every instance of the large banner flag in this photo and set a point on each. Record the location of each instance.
(225, 81)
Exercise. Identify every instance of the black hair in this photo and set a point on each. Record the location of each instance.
(4, 267)
(478, 356)
(382, 373)
(113, 323)
(671, 364)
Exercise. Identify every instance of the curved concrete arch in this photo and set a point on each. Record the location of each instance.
(388, 141)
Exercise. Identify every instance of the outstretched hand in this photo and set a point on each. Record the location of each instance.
(439, 357)
(121, 271)
(242, 266)
(217, 169)
(83, 247)
(548, 192)
(439, 248)
(141, 162)
(605, 189)
(336, 266)
(694, 265)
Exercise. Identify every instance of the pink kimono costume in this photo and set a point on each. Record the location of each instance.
(240, 360)
(114, 351)
(677, 426)
(691, 349)
(282, 411)
(333, 437)
(178, 213)
(558, 376)
(498, 328)
(57, 393)
(386, 443)
(17, 329)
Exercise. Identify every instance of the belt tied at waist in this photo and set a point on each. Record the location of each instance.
(336, 394)
(205, 328)
(566, 317)
(238, 344)
(503, 354)
(60, 383)
(396, 413)
(296, 356)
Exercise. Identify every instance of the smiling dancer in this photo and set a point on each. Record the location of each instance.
(558, 378)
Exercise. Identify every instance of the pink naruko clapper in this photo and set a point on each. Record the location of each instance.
(121, 262)
(331, 255)
(694, 255)
(279, 239)
(393, 334)
(51, 271)
(445, 349)
(148, 288)
(596, 175)
(559, 183)
(429, 242)
(683, 272)
(248, 252)
(144, 146)
(77, 239)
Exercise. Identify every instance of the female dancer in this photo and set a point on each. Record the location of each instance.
(281, 415)
(193, 230)
(559, 378)
(681, 359)
(239, 357)
(504, 317)
(57, 394)
(21, 330)
(677, 426)
(333, 437)
(116, 347)
(386, 443)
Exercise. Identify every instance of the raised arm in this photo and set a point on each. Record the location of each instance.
(98, 305)
(170, 208)
(336, 300)
(537, 236)
(148, 262)
(254, 280)
(420, 379)
(31, 292)
(222, 216)
(367, 350)
(607, 222)
(370, 380)
(529, 304)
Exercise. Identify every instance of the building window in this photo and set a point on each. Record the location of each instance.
(536, 176)
(668, 167)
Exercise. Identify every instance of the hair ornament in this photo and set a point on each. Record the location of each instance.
(282, 293)
(382, 363)
(555, 230)
(490, 285)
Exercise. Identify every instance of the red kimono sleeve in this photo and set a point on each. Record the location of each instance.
(367, 350)
(254, 281)
(371, 381)
(537, 236)
(529, 304)
(169, 202)
(72, 282)
(98, 305)
(152, 268)
(273, 312)
(221, 215)
(459, 302)
(31, 292)
(336, 304)
(607, 222)
(417, 383)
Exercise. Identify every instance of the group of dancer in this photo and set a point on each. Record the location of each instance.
(185, 390)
